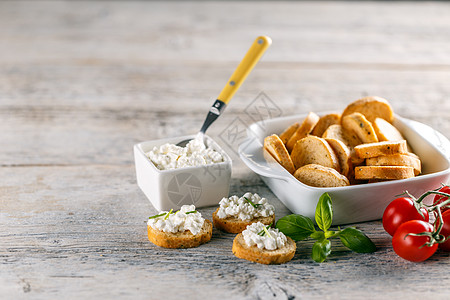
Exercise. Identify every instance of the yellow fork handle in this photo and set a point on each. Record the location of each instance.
(245, 66)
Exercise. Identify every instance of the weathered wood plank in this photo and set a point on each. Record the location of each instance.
(306, 31)
(71, 124)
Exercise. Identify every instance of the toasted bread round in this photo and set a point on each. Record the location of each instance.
(286, 135)
(356, 160)
(325, 122)
(236, 225)
(357, 123)
(276, 148)
(384, 172)
(303, 130)
(242, 250)
(183, 239)
(343, 154)
(320, 176)
(381, 148)
(386, 131)
(371, 107)
(337, 132)
(314, 150)
(396, 160)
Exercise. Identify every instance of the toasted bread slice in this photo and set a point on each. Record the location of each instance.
(337, 132)
(386, 131)
(325, 122)
(276, 148)
(320, 176)
(384, 172)
(396, 160)
(286, 135)
(236, 225)
(371, 107)
(381, 148)
(343, 154)
(356, 160)
(183, 239)
(357, 123)
(242, 250)
(314, 150)
(303, 130)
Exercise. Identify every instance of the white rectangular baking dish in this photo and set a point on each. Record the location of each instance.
(356, 203)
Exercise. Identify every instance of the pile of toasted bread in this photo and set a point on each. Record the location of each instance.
(360, 145)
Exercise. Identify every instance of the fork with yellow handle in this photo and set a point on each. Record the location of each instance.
(244, 68)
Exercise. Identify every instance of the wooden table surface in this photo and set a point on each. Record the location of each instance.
(82, 82)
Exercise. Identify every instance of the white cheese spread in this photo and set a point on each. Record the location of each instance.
(171, 156)
(184, 219)
(256, 235)
(242, 209)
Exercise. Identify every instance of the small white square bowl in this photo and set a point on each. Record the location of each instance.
(355, 203)
(170, 189)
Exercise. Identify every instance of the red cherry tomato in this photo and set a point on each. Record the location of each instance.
(400, 211)
(439, 198)
(411, 247)
(445, 230)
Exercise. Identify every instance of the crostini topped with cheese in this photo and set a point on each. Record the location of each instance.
(185, 228)
(235, 213)
(262, 244)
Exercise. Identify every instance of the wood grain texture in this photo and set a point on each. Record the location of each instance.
(81, 82)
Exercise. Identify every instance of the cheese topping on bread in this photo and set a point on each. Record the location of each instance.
(242, 209)
(187, 218)
(264, 237)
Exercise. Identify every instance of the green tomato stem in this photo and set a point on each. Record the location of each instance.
(436, 235)
(420, 199)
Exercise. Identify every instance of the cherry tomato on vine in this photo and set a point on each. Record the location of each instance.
(400, 211)
(412, 247)
(439, 198)
(445, 231)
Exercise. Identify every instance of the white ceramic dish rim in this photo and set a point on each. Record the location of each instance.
(255, 160)
(173, 140)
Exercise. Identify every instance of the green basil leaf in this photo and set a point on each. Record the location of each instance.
(356, 240)
(297, 227)
(320, 250)
(317, 235)
(324, 212)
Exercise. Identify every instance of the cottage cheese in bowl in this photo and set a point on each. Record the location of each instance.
(196, 153)
(172, 176)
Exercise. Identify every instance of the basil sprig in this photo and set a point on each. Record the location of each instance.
(299, 228)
